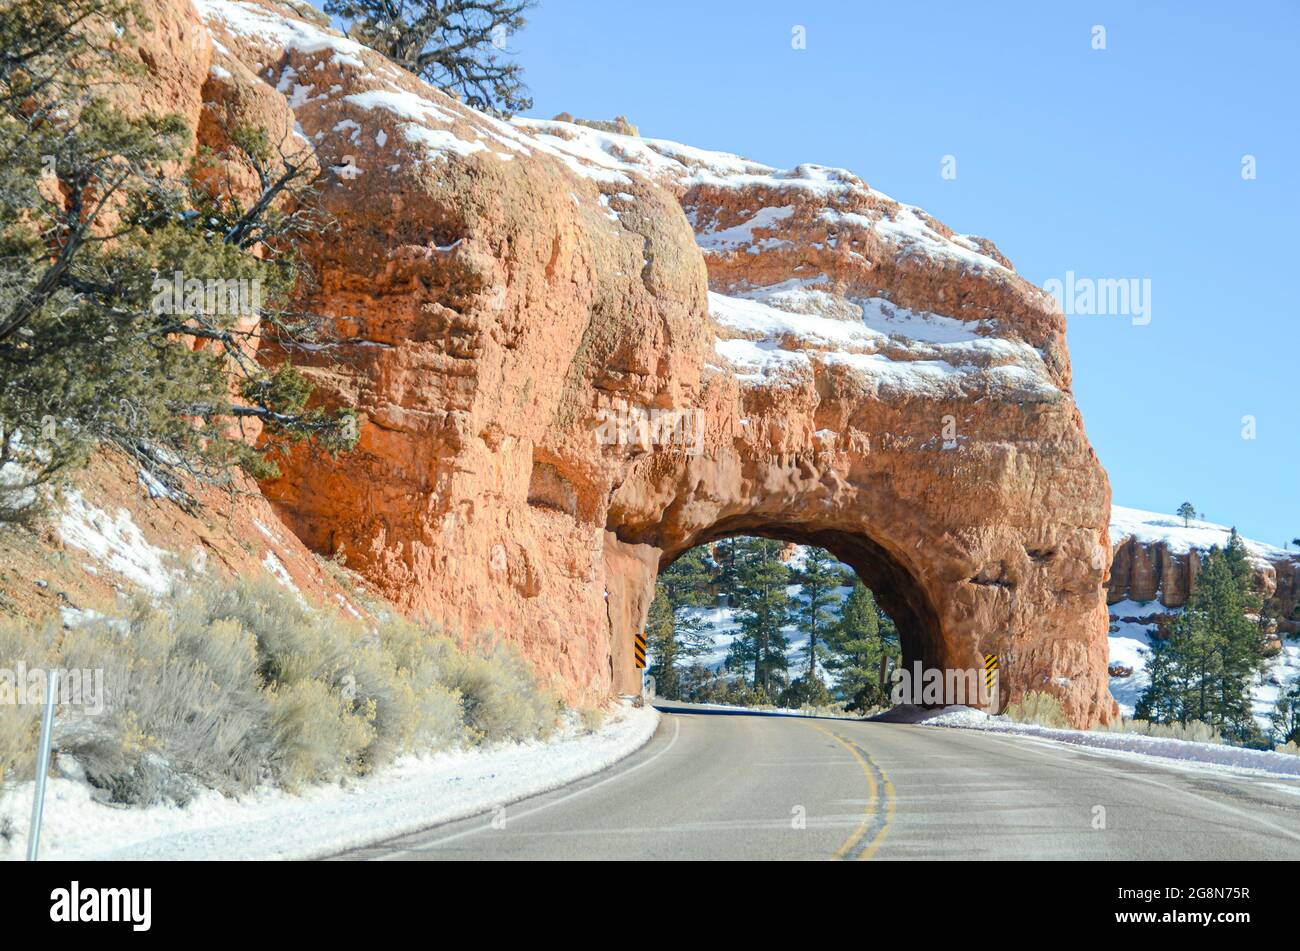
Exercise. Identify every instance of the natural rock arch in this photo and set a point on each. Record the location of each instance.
(853, 369)
(949, 542)
(893, 583)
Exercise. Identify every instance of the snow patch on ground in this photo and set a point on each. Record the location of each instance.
(412, 794)
(117, 542)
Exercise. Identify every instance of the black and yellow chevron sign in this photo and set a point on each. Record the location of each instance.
(990, 670)
(638, 650)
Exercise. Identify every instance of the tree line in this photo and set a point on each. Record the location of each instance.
(851, 648)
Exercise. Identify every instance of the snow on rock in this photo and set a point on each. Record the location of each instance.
(291, 54)
(612, 156)
(781, 320)
(412, 794)
(1179, 538)
(914, 351)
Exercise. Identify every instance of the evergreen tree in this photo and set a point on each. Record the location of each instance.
(857, 643)
(674, 636)
(1238, 561)
(819, 576)
(727, 569)
(453, 44)
(94, 220)
(687, 580)
(763, 608)
(1204, 670)
(1187, 512)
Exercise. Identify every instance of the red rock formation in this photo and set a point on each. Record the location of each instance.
(556, 405)
(1157, 558)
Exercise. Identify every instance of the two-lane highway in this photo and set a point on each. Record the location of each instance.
(726, 785)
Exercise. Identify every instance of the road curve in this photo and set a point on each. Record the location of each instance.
(730, 785)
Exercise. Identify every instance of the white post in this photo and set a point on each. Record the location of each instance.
(42, 765)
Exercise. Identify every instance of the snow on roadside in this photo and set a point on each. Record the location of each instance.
(412, 794)
(1201, 754)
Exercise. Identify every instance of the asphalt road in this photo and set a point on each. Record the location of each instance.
(713, 785)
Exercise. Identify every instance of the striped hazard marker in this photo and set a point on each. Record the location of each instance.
(638, 650)
(991, 676)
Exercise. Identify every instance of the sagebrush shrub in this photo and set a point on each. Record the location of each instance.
(184, 704)
(316, 735)
(500, 697)
(1038, 707)
(231, 684)
(1193, 731)
(35, 645)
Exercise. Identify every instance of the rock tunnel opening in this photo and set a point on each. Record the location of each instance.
(893, 584)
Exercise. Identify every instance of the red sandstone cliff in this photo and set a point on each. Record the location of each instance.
(579, 353)
(1157, 557)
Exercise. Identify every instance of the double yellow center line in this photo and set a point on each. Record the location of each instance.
(866, 838)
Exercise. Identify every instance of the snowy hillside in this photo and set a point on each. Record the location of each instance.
(1180, 538)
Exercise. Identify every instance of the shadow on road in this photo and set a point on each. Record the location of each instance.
(676, 706)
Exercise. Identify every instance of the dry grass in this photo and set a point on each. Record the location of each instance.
(1194, 731)
(232, 685)
(1043, 709)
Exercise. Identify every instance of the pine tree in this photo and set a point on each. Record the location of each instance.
(727, 569)
(674, 636)
(453, 44)
(664, 648)
(91, 351)
(763, 609)
(688, 579)
(819, 576)
(856, 644)
(1187, 512)
(1204, 670)
(1238, 560)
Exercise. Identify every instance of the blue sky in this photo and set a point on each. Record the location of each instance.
(1117, 163)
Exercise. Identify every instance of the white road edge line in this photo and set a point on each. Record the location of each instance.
(677, 727)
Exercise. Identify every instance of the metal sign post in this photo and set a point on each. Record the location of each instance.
(42, 765)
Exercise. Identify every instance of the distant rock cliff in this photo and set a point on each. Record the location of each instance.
(1156, 559)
